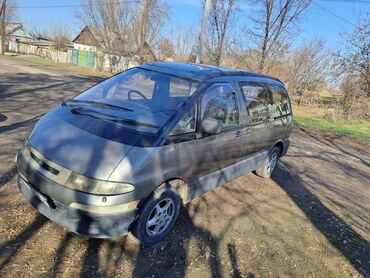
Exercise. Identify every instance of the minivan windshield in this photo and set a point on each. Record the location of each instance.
(139, 99)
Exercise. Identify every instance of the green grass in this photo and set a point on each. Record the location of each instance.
(34, 60)
(357, 129)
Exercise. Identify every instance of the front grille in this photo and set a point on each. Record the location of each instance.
(44, 165)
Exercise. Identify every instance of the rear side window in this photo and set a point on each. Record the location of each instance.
(220, 103)
(257, 98)
(280, 102)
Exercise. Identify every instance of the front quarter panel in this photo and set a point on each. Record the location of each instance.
(148, 167)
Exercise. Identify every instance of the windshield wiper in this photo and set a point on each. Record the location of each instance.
(87, 112)
(131, 122)
(94, 103)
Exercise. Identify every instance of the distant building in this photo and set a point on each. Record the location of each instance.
(86, 40)
(16, 32)
(44, 42)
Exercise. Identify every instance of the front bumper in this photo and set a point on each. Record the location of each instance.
(78, 221)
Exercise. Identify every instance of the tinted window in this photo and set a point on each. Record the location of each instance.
(157, 91)
(257, 98)
(134, 87)
(181, 87)
(280, 106)
(220, 103)
(148, 98)
(187, 124)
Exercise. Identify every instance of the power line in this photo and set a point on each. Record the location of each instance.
(348, 1)
(333, 14)
(77, 5)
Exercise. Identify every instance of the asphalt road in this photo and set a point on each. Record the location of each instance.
(311, 219)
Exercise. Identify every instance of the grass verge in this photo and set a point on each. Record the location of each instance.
(34, 60)
(359, 129)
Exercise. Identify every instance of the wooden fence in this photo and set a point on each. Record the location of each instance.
(98, 60)
(44, 52)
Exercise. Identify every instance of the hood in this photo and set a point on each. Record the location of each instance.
(88, 146)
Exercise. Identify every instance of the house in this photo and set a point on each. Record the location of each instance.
(88, 51)
(16, 34)
(86, 40)
(44, 42)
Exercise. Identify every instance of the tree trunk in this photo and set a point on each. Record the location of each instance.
(268, 6)
(2, 22)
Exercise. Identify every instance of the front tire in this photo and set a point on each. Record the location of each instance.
(157, 216)
(269, 164)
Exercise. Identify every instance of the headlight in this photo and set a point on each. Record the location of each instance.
(100, 187)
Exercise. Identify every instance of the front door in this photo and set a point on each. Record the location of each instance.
(214, 152)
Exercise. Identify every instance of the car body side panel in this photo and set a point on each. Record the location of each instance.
(148, 167)
(202, 184)
(282, 128)
(217, 151)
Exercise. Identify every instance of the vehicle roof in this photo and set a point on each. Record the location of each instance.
(200, 72)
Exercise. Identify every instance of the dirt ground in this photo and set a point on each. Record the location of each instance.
(312, 219)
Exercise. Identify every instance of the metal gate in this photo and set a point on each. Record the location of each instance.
(83, 58)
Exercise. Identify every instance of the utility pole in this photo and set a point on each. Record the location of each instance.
(202, 31)
(2, 22)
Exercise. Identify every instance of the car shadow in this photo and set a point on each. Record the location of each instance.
(10, 248)
(351, 244)
(169, 257)
(3, 118)
(7, 176)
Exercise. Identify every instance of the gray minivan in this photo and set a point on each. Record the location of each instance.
(125, 154)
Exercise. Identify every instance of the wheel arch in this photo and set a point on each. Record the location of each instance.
(176, 183)
(279, 144)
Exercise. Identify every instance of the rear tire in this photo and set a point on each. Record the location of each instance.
(269, 164)
(157, 216)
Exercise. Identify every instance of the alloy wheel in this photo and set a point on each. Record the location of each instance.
(272, 163)
(160, 217)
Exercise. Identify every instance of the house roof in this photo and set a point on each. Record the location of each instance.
(17, 29)
(200, 71)
(87, 37)
(10, 27)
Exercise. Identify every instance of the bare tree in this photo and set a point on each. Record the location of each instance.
(111, 23)
(272, 25)
(149, 22)
(40, 33)
(7, 12)
(221, 14)
(125, 28)
(308, 69)
(60, 35)
(166, 49)
(356, 57)
(354, 63)
(184, 39)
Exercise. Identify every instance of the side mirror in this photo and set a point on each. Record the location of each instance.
(210, 126)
